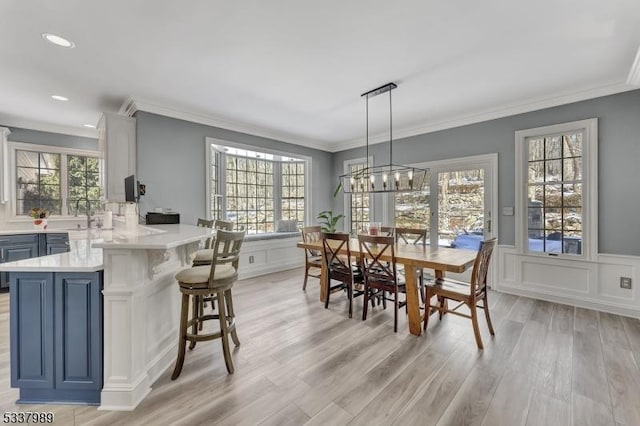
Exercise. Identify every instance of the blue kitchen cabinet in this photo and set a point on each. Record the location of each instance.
(56, 336)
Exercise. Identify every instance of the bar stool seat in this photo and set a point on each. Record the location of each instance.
(197, 276)
(213, 282)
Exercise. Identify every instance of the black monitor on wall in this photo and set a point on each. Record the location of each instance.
(130, 188)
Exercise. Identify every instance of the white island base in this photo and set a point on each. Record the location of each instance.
(141, 311)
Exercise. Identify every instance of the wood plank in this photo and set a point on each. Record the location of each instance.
(589, 378)
(623, 377)
(587, 412)
(612, 331)
(510, 403)
(586, 321)
(521, 310)
(632, 329)
(545, 410)
(562, 319)
(332, 414)
(290, 415)
(554, 374)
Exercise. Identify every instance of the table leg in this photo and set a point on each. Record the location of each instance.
(323, 280)
(413, 301)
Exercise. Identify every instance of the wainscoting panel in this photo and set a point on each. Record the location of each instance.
(594, 285)
(266, 256)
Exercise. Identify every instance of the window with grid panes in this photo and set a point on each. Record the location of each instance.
(412, 209)
(360, 204)
(555, 193)
(250, 197)
(38, 182)
(83, 184)
(61, 182)
(557, 200)
(293, 191)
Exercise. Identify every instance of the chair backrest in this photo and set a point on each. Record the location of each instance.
(226, 249)
(388, 231)
(481, 266)
(338, 264)
(206, 223)
(223, 224)
(375, 270)
(411, 235)
(311, 234)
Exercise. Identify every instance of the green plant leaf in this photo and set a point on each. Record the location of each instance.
(338, 188)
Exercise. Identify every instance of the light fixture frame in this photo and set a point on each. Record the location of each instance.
(388, 177)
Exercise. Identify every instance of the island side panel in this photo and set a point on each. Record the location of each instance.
(31, 312)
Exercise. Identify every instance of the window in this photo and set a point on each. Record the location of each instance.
(412, 209)
(57, 179)
(255, 189)
(360, 203)
(558, 178)
(293, 191)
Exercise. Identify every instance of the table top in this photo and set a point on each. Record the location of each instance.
(420, 256)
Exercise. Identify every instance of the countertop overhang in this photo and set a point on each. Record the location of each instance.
(86, 246)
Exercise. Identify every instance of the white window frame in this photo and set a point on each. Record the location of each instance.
(52, 149)
(347, 200)
(589, 188)
(308, 181)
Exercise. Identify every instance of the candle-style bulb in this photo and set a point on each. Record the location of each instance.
(410, 174)
(373, 182)
(384, 181)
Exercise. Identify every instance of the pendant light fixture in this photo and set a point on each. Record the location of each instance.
(383, 178)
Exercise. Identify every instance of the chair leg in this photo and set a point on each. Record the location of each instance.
(229, 300)
(224, 331)
(306, 275)
(350, 296)
(486, 313)
(427, 309)
(184, 317)
(201, 311)
(365, 304)
(395, 310)
(441, 307)
(476, 329)
(196, 301)
(328, 286)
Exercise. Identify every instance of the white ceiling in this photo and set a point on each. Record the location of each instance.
(295, 69)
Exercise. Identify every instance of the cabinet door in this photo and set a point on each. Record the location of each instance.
(31, 341)
(78, 331)
(20, 252)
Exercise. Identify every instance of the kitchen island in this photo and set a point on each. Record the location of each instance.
(132, 324)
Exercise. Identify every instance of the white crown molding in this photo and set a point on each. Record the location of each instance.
(491, 114)
(134, 104)
(11, 121)
(634, 72)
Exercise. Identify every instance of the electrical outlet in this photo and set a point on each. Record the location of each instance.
(625, 282)
(251, 261)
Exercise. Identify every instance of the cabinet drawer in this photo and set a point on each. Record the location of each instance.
(18, 239)
(57, 238)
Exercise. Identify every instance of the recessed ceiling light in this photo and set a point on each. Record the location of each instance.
(59, 98)
(91, 126)
(58, 41)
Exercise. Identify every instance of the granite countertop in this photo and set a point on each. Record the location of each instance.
(86, 246)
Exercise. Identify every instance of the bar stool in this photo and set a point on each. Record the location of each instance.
(203, 256)
(216, 280)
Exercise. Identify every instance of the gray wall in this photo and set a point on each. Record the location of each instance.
(56, 139)
(618, 168)
(171, 162)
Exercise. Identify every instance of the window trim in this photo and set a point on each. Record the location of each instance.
(589, 193)
(14, 146)
(308, 207)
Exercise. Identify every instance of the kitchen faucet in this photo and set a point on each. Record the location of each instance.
(89, 218)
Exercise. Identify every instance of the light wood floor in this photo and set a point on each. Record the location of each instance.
(549, 364)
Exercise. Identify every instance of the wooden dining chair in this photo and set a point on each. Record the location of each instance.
(312, 258)
(340, 267)
(387, 230)
(415, 236)
(465, 293)
(380, 276)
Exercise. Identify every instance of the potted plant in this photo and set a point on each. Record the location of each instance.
(39, 217)
(328, 220)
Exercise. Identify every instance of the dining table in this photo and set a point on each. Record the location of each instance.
(413, 257)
